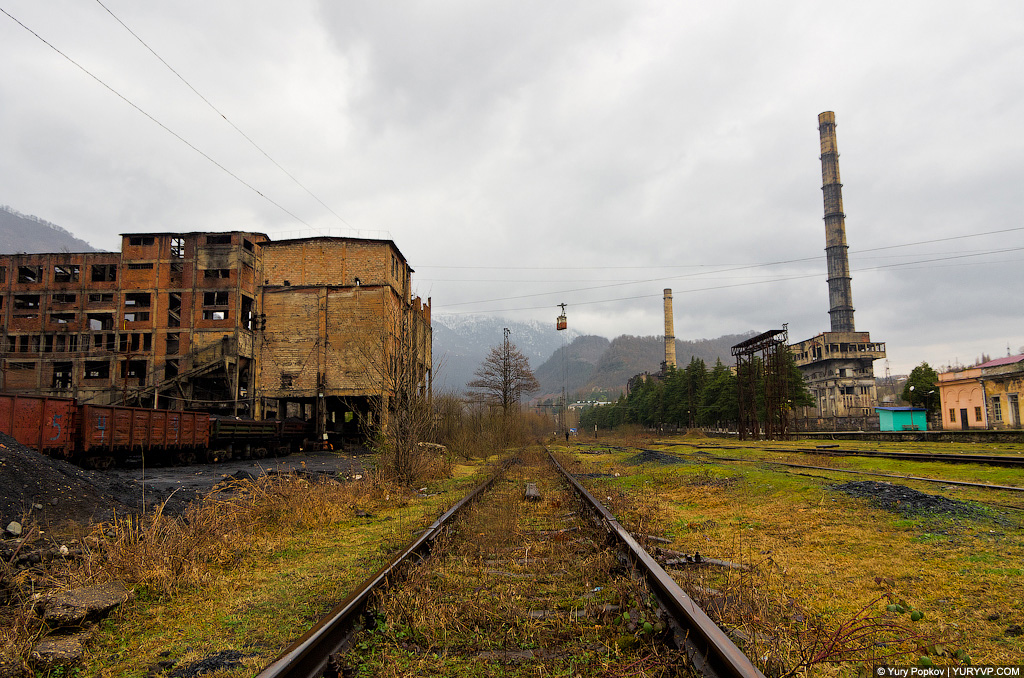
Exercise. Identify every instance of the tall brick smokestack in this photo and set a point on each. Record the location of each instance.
(839, 295)
(670, 335)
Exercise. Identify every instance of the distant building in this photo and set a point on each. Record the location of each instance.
(902, 418)
(986, 396)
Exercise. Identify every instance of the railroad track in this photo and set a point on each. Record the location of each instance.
(990, 459)
(550, 584)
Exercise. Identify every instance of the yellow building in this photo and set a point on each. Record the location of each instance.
(983, 396)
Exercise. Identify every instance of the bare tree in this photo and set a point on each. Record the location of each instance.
(504, 377)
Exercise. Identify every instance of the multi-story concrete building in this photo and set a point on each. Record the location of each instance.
(323, 328)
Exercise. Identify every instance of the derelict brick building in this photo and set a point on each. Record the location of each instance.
(231, 322)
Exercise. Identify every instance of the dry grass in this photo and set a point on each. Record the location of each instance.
(825, 568)
(247, 569)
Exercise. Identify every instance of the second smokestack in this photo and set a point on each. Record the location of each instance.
(670, 334)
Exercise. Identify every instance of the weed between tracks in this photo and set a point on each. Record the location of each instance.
(517, 588)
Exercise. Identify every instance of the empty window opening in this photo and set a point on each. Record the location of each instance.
(136, 316)
(247, 244)
(62, 298)
(177, 248)
(134, 369)
(62, 375)
(215, 315)
(141, 240)
(26, 301)
(138, 299)
(104, 272)
(97, 369)
(174, 309)
(101, 321)
(217, 273)
(215, 299)
(65, 273)
(21, 366)
(101, 298)
(30, 274)
(218, 239)
(173, 344)
(171, 369)
(63, 318)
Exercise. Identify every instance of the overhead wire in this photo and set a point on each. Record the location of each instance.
(157, 122)
(701, 289)
(222, 115)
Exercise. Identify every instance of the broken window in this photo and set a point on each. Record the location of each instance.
(3, 274)
(65, 273)
(140, 267)
(62, 318)
(30, 274)
(177, 248)
(104, 272)
(63, 298)
(101, 298)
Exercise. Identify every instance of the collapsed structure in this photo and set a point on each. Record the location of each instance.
(323, 328)
(837, 366)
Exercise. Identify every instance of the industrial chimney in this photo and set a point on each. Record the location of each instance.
(670, 335)
(839, 295)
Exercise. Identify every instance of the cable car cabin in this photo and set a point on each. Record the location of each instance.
(561, 323)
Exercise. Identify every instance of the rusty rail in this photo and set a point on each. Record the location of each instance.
(708, 647)
(712, 652)
(308, 656)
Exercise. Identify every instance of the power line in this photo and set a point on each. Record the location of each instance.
(773, 263)
(162, 125)
(705, 289)
(222, 115)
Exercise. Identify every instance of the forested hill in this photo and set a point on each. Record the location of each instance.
(591, 375)
(28, 234)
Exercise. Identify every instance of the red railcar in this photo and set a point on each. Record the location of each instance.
(40, 422)
(122, 431)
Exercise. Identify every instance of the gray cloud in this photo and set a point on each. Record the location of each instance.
(673, 138)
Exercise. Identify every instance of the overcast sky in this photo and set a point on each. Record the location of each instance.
(523, 154)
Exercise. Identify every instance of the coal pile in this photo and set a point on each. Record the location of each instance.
(654, 457)
(39, 489)
(907, 501)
